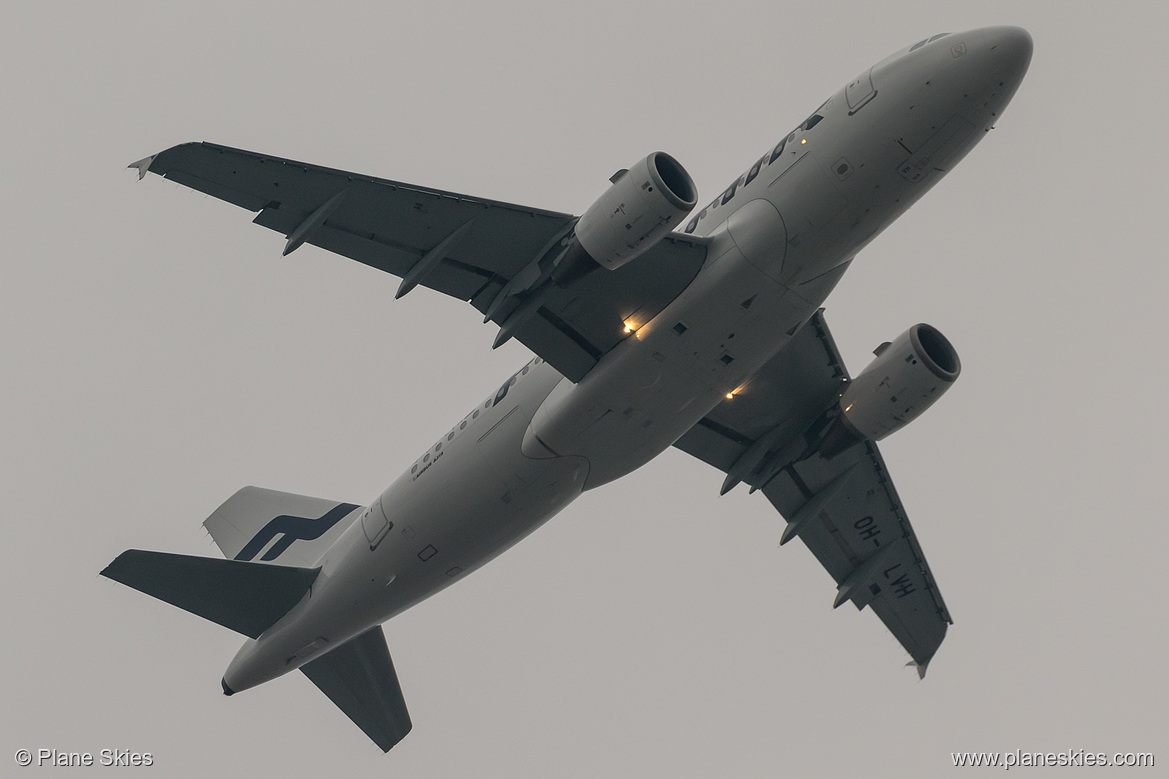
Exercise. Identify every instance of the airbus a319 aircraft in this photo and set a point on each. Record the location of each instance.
(710, 340)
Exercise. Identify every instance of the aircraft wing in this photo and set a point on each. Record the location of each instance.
(487, 253)
(845, 510)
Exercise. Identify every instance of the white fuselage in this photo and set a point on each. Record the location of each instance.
(780, 239)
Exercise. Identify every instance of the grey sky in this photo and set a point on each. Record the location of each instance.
(158, 354)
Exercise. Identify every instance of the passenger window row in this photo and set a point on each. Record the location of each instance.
(421, 463)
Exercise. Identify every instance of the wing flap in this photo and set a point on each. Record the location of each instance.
(365, 250)
(359, 678)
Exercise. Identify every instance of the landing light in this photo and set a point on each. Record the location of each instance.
(803, 140)
(730, 396)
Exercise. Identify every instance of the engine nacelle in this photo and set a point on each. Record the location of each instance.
(645, 202)
(905, 379)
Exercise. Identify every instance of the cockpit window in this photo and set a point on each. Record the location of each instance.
(919, 44)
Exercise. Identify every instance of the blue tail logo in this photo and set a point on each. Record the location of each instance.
(293, 529)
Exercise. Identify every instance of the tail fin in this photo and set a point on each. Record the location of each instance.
(359, 677)
(245, 597)
(278, 527)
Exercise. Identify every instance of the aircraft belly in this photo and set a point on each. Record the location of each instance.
(659, 382)
(483, 497)
(809, 200)
(760, 234)
(442, 529)
(457, 525)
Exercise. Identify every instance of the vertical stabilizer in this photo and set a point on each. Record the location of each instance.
(281, 528)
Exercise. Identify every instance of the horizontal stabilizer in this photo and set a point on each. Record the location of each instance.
(359, 677)
(245, 597)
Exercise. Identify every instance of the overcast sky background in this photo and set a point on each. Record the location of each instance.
(158, 354)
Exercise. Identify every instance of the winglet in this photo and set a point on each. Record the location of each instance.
(143, 166)
(919, 666)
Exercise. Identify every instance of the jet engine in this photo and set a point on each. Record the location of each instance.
(645, 202)
(905, 379)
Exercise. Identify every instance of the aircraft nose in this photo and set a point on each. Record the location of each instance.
(1010, 49)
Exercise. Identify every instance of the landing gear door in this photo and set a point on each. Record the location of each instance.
(860, 91)
(375, 524)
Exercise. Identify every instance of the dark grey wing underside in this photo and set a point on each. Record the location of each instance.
(359, 678)
(473, 249)
(845, 510)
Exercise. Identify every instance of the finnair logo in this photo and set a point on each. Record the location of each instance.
(293, 529)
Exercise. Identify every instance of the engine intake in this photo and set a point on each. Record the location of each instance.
(907, 377)
(645, 203)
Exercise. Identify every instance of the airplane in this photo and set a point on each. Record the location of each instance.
(710, 339)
